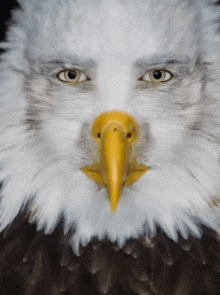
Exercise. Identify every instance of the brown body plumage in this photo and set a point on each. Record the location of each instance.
(33, 263)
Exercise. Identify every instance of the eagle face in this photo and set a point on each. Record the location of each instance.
(77, 62)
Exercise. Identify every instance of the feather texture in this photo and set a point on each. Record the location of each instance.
(58, 235)
(35, 263)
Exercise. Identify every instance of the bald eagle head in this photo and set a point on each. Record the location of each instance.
(110, 118)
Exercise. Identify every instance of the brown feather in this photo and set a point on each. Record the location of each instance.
(33, 263)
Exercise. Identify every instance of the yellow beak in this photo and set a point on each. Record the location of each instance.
(115, 132)
(114, 155)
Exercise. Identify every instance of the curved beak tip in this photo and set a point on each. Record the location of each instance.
(113, 208)
(113, 211)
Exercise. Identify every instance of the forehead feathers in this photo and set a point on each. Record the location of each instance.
(93, 28)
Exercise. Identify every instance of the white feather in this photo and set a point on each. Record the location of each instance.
(114, 43)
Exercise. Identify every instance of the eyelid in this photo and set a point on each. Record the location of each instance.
(148, 76)
(80, 76)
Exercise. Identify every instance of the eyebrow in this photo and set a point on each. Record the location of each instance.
(165, 60)
(63, 59)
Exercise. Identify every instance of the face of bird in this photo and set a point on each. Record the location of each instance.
(113, 92)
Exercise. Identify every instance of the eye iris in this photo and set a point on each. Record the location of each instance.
(157, 75)
(72, 75)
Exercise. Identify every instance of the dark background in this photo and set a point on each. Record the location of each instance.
(5, 7)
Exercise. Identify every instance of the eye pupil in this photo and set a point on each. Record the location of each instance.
(72, 74)
(157, 75)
